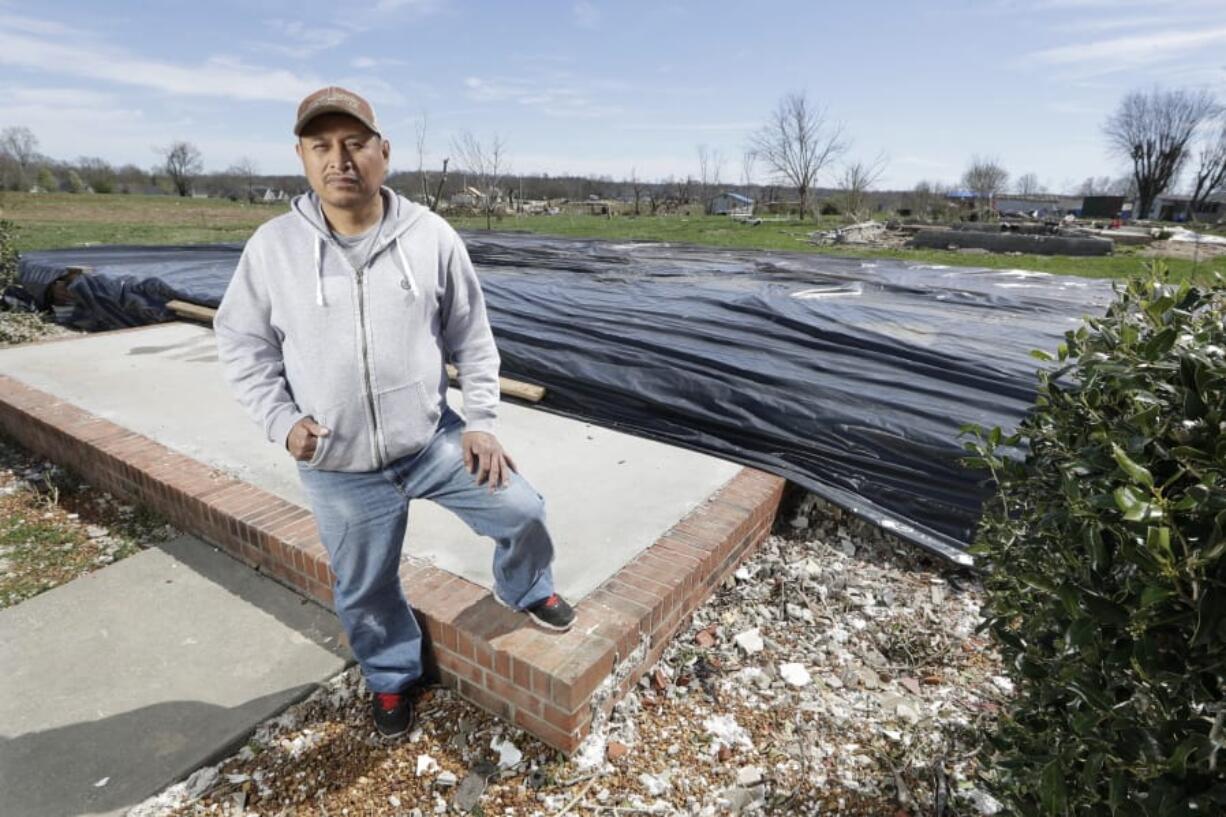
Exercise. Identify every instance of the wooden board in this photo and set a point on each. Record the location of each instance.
(514, 388)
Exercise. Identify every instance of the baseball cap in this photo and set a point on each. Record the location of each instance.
(335, 99)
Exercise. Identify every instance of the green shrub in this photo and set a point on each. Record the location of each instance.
(1106, 583)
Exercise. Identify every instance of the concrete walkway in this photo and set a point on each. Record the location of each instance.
(124, 681)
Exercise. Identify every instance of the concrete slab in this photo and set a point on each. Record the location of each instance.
(127, 679)
(609, 495)
(555, 686)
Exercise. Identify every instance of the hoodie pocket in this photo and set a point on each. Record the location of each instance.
(321, 443)
(408, 418)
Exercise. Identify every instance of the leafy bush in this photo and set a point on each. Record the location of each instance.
(1106, 579)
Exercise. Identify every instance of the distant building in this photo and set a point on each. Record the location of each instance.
(1102, 206)
(1037, 205)
(730, 204)
(1175, 208)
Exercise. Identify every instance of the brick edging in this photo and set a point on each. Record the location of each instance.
(544, 682)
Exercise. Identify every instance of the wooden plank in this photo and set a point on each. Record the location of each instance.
(195, 312)
(514, 388)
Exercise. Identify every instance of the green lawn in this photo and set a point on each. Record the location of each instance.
(792, 235)
(66, 220)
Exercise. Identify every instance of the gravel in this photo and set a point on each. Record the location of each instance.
(868, 696)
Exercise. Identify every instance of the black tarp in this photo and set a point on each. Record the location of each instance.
(850, 378)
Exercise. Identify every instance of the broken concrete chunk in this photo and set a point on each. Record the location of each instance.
(795, 674)
(469, 793)
(748, 776)
(656, 785)
(750, 641)
(508, 753)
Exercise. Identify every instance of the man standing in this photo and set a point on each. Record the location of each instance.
(333, 335)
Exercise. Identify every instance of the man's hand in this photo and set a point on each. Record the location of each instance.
(483, 455)
(303, 438)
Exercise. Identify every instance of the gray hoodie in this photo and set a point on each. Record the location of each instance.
(301, 333)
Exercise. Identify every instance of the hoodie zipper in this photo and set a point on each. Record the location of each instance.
(370, 396)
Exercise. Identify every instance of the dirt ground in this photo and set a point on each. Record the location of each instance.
(55, 527)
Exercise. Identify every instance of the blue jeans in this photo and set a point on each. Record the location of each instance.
(362, 516)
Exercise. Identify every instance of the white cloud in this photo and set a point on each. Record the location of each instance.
(217, 76)
(690, 126)
(299, 40)
(559, 95)
(368, 63)
(1123, 52)
(586, 15)
(423, 6)
(31, 25)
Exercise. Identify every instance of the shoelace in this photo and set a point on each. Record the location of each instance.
(389, 700)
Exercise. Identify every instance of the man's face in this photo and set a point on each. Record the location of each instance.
(345, 162)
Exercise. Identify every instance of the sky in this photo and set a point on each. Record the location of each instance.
(607, 88)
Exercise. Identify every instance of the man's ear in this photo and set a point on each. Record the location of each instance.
(387, 149)
(298, 148)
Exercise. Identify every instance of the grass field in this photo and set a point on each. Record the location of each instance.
(65, 220)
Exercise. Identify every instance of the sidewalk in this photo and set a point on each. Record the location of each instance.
(127, 679)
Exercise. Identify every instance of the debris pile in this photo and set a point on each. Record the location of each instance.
(837, 672)
(23, 327)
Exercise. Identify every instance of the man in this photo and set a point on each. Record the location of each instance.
(333, 335)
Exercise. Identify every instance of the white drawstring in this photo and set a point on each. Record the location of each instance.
(404, 267)
(319, 271)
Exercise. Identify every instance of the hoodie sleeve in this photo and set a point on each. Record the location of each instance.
(469, 342)
(250, 350)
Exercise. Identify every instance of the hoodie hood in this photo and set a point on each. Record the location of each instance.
(399, 216)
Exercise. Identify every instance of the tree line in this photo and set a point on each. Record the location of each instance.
(1160, 136)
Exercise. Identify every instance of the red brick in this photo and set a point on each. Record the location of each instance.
(566, 742)
(521, 699)
(487, 700)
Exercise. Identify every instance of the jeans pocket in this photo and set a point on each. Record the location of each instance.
(407, 417)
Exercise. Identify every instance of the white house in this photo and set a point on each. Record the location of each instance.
(730, 204)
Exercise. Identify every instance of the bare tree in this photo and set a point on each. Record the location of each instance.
(421, 126)
(1152, 130)
(1209, 174)
(97, 173)
(182, 164)
(797, 142)
(245, 170)
(748, 160)
(21, 145)
(1028, 185)
(487, 163)
(855, 182)
(985, 178)
(710, 166)
(1092, 186)
(683, 190)
(636, 188)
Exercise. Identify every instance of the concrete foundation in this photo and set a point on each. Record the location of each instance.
(643, 531)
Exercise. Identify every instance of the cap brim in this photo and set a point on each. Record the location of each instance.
(326, 109)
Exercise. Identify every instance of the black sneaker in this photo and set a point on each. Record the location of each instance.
(393, 712)
(553, 613)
